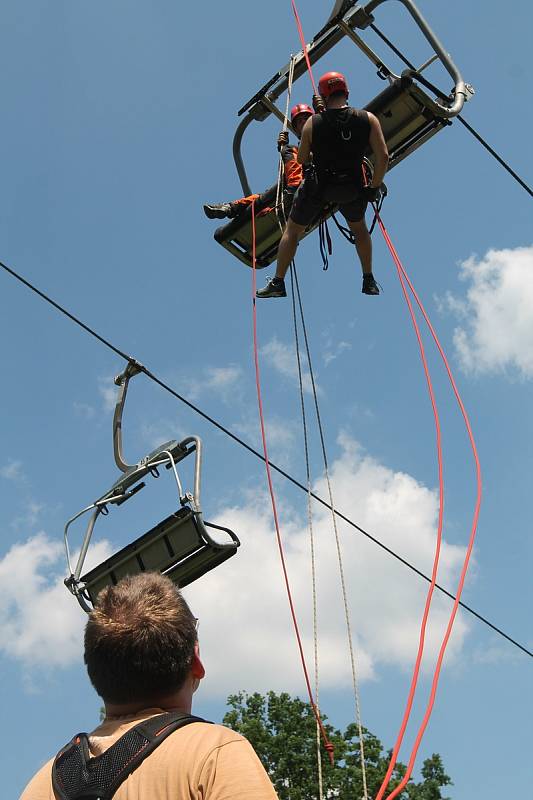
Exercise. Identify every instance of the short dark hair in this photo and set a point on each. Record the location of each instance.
(139, 639)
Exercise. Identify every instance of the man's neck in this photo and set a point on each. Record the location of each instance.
(336, 103)
(178, 701)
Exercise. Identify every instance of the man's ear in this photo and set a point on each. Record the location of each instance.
(197, 668)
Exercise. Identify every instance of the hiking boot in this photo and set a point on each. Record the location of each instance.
(219, 210)
(369, 285)
(274, 288)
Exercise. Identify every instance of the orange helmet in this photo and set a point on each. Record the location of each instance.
(332, 82)
(301, 108)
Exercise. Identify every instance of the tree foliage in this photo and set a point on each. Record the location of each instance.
(282, 730)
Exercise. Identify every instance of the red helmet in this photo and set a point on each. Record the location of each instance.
(301, 108)
(332, 82)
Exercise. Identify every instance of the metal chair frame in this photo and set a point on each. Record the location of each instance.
(346, 17)
(169, 559)
(408, 115)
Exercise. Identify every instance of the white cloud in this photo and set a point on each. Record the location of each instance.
(41, 624)
(84, 410)
(281, 436)
(496, 330)
(12, 471)
(30, 517)
(332, 348)
(225, 382)
(335, 350)
(246, 633)
(385, 598)
(108, 392)
(220, 378)
(162, 430)
(495, 654)
(282, 358)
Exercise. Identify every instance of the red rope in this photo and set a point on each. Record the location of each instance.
(436, 557)
(304, 46)
(327, 744)
(404, 278)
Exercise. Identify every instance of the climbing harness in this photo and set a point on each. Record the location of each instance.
(180, 546)
(76, 775)
(324, 239)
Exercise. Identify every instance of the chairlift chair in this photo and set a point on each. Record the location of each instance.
(180, 546)
(408, 112)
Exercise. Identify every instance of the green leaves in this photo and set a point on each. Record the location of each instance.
(283, 732)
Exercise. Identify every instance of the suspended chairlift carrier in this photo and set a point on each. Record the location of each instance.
(408, 115)
(180, 546)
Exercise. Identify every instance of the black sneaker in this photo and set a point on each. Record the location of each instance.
(219, 210)
(369, 285)
(274, 288)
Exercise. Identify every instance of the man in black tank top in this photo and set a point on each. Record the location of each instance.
(335, 141)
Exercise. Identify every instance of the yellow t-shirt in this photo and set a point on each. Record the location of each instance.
(196, 762)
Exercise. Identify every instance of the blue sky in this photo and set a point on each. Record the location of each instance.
(118, 121)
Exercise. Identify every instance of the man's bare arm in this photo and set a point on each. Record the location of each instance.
(304, 151)
(380, 151)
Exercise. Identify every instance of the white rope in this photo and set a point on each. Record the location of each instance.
(350, 642)
(315, 636)
(281, 165)
(280, 200)
(339, 555)
(311, 534)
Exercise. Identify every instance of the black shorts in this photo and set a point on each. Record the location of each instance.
(312, 197)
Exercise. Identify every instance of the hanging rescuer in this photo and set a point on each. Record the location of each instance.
(332, 148)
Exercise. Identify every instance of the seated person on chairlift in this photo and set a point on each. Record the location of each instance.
(335, 140)
(292, 174)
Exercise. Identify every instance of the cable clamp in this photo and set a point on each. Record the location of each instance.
(186, 498)
(470, 92)
(133, 367)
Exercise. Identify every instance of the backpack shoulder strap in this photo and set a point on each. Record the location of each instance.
(77, 776)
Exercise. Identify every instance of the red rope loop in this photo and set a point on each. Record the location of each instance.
(405, 280)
